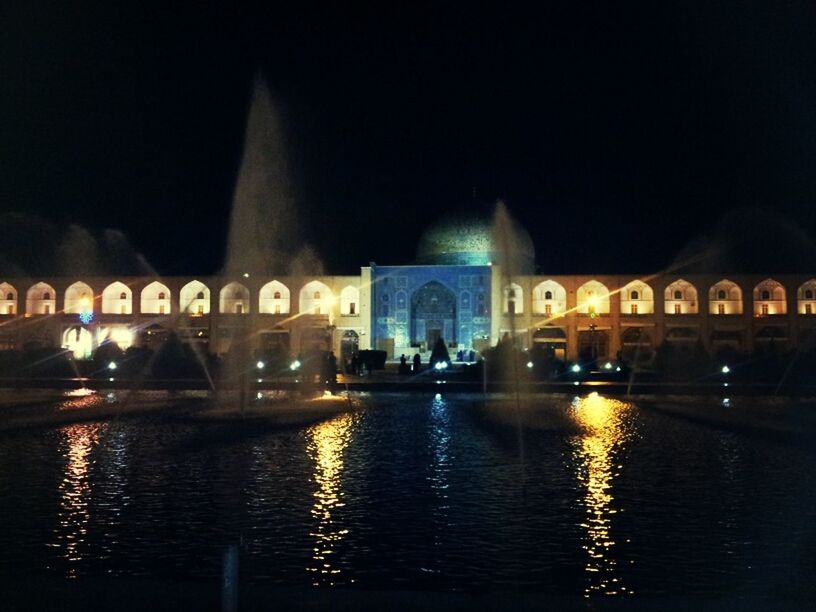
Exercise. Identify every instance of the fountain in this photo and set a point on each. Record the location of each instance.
(262, 230)
(508, 243)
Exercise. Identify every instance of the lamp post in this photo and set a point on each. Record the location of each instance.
(593, 341)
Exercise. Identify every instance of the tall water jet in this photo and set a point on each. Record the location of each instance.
(512, 253)
(262, 228)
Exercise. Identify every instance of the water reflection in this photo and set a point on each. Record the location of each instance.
(78, 442)
(440, 439)
(440, 436)
(326, 443)
(604, 430)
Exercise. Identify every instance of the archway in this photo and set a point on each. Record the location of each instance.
(194, 298)
(117, 299)
(155, 299)
(78, 340)
(41, 300)
(8, 299)
(552, 341)
(79, 299)
(433, 314)
(233, 299)
(273, 298)
(349, 346)
(637, 345)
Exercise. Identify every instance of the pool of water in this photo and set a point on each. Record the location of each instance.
(423, 492)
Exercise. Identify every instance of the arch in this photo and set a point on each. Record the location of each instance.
(680, 297)
(315, 298)
(350, 301)
(274, 298)
(433, 314)
(550, 294)
(121, 335)
(112, 300)
(233, 299)
(593, 298)
(349, 348)
(513, 299)
(194, 298)
(79, 298)
(40, 299)
(769, 298)
(806, 297)
(78, 340)
(8, 305)
(155, 299)
(725, 297)
(637, 298)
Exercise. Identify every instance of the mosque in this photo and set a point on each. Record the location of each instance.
(460, 289)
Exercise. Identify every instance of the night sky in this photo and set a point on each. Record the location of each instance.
(618, 136)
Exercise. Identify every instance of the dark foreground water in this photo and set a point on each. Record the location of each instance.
(422, 492)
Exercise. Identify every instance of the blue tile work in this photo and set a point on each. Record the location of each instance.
(395, 287)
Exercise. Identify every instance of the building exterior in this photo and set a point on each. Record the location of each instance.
(458, 291)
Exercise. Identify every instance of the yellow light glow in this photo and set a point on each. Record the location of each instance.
(122, 336)
(603, 422)
(75, 490)
(326, 444)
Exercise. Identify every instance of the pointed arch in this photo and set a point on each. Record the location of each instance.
(315, 298)
(194, 298)
(112, 300)
(155, 299)
(41, 299)
(513, 299)
(233, 299)
(8, 299)
(551, 296)
(725, 298)
(680, 297)
(79, 297)
(274, 298)
(592, 298)
(636, 297)
(769, 298)
(806, 297)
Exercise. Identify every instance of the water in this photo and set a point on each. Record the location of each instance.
(422, 492)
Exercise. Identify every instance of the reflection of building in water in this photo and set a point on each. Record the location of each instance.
(595, 450)
(75, 490)
(326, 443)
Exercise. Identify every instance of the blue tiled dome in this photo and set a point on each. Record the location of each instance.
(468, 240)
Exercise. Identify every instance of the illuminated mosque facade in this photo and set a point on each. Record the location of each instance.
(456, 291)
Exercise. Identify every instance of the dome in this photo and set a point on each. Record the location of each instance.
(468, 240)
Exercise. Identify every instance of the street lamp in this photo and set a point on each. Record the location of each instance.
(593, 341)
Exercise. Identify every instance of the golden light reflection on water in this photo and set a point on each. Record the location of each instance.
(326, 443)
(79, 440)
(604, 430)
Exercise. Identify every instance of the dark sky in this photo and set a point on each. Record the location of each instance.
(616, 135)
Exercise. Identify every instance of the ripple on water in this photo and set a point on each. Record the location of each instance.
(420, 492)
